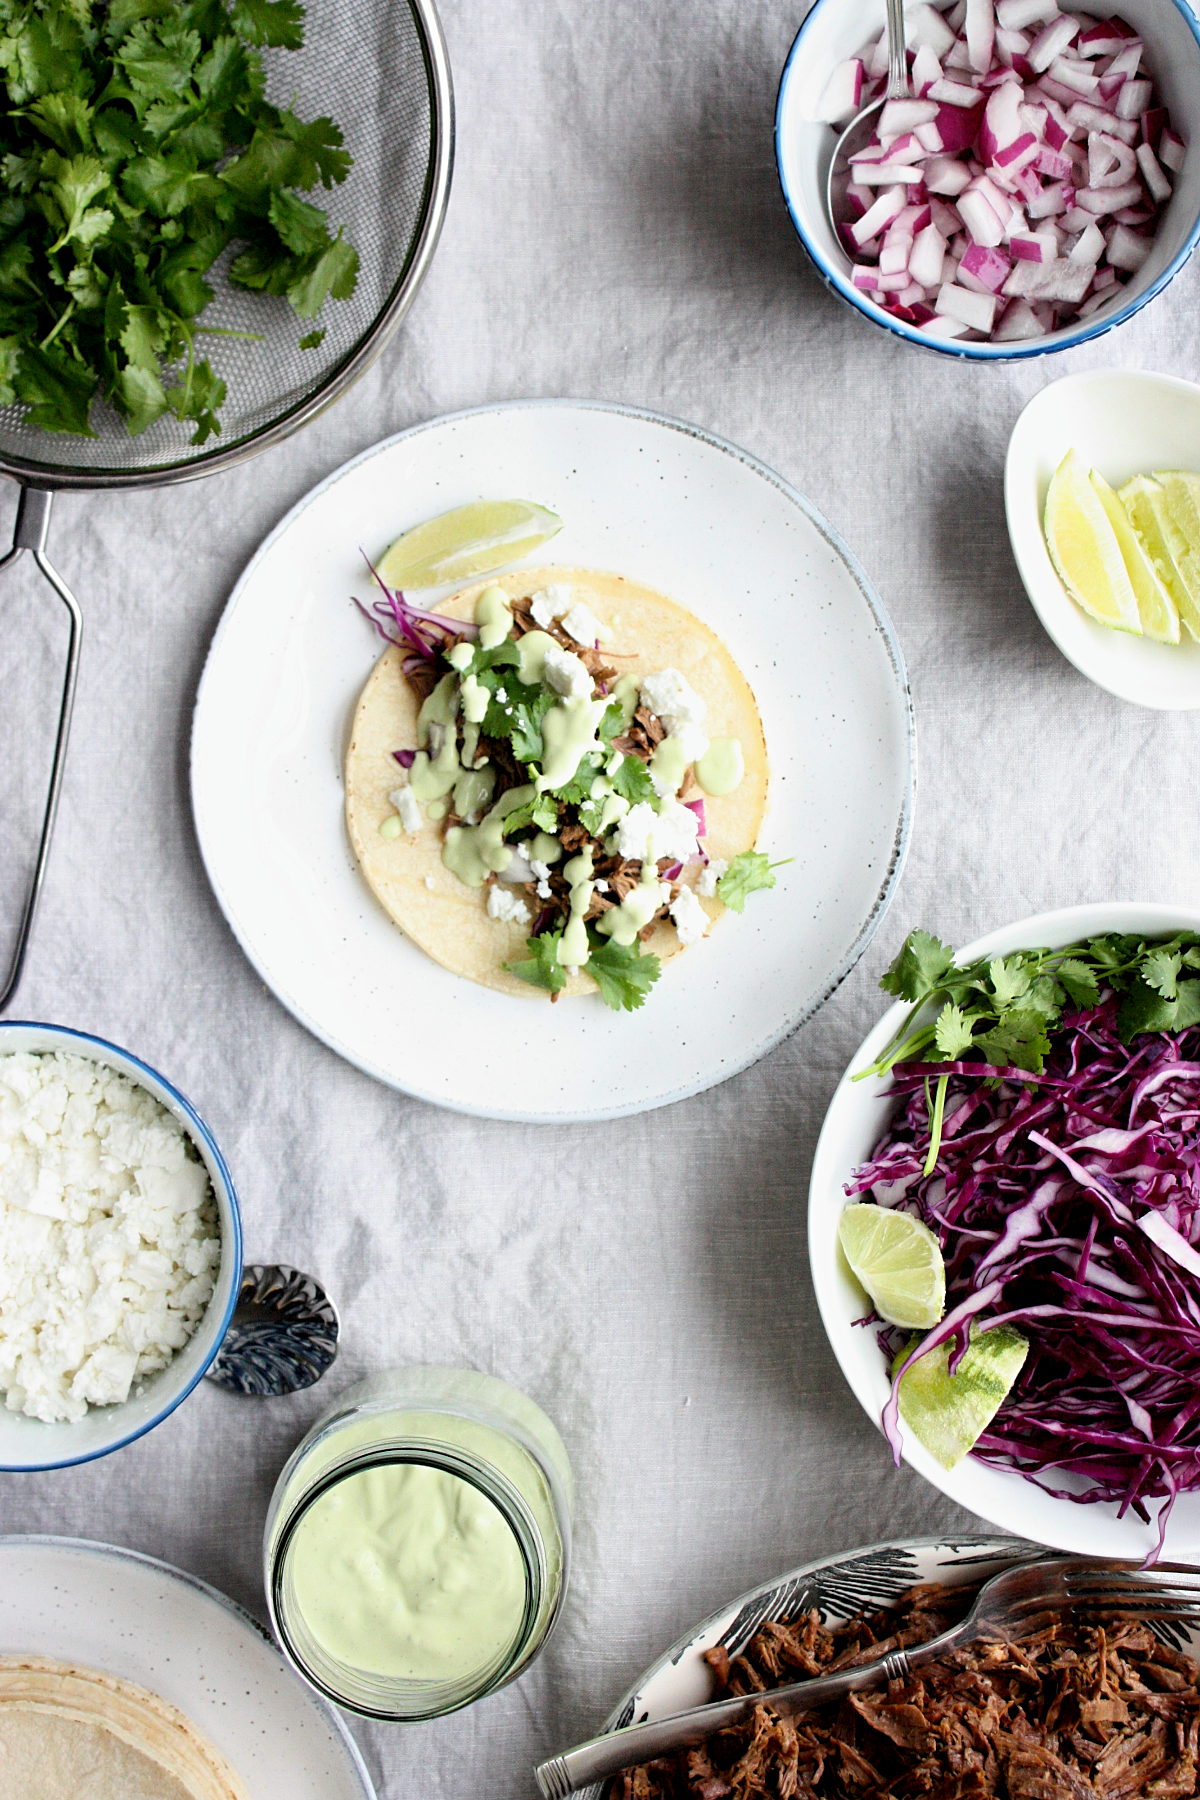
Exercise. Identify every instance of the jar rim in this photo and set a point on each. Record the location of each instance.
(439, 1698)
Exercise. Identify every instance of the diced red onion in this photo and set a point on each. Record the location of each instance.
(981, 34)
(1017, 323)
(1089, 246)
(1041, 246)
(983, 271)
(1015, 15)
(1127, 61)
(980, 218)
(1111, 163)
(927, 257)
(926, 68)
(1050, 40)
(899, 116)
(1126, 249)
(925, 29)
(406, 758)
(1170, 151)
(843, 93)
(1094, 118)
(1104, 39)
(930, 139)
(1107, 199)
(944, 175)
(1060, 280)
(1152, 175)
(976, 311)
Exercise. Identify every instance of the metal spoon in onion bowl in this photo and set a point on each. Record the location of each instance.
(863, 125)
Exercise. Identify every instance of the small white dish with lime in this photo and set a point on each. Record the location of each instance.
(1127, 428)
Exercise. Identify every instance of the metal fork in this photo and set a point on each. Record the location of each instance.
(1015, 1604)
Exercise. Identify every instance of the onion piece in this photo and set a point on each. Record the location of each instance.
(1170, 151)
(1152, 175)
(1089, 247)
(1126, 250)
(1018, 322)
(1050, 40)
(1107, 199)
(1058, 280)
(977, 311)
(843, 93)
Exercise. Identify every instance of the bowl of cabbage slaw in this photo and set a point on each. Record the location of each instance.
(1044, 1502)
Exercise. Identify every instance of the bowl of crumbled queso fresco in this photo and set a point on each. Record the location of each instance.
(120, 1247)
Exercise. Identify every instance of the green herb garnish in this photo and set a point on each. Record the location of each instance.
(542, 969)
(624, 973)
(745, 875)
(137, 145)
(1004, 1008)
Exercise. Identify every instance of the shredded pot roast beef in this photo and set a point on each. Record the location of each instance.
(1075, 1713)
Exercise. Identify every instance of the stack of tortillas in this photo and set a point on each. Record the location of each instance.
(75, 1734)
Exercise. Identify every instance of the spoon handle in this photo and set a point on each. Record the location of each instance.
(898, 86)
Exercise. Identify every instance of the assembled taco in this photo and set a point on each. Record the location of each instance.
(556, 780)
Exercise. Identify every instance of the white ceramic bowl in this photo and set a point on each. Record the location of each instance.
(837, 29)
(30, 1444)
(1122, 422)
(857, 1117)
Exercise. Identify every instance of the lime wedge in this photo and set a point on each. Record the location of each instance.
(1156, 609)
(471, 540)
(1084, 549)
(1146, 503)
(898, 1261)
(1183, 503)
(948, 1412)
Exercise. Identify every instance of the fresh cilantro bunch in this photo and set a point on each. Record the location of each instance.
(1002, 1010)
(137, 145)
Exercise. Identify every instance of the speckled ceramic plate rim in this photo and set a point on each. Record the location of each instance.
(899, 851)
(116, 1553)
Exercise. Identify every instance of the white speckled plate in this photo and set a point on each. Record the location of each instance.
(128, 1615)
(664, 504)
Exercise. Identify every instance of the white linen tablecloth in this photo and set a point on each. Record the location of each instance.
(615, 231)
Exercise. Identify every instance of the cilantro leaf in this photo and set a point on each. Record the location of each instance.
(1143, 1008)
(10, 358)
(335, 272)
(920, 965)
(542, 968)
(578, 789)
(953, 1034)
(624, 973)
(541, 813)
(57, 391)
(525, 726)
(611, 725)
(745, 875)
(138, 393)
(1079, 981)
(1009, 979)
(197, 397)
(279, 23)
(312, 339)
(633, 783)
(303, 228)
(1160, 970)
(1018, 1040)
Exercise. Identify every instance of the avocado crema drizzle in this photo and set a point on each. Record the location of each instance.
(557, 781)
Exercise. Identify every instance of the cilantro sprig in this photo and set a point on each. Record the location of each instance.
(136, 146)
(747, 874)
(1004, 1009)
(624, 973)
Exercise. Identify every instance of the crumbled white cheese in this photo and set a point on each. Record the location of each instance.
(673, 698)
(600, 885)
(430, 883)
(691, 920)
(709, 877)
(409, 808)
(581, 623)
(543, 890)
(670, 832)
(550, 604)
(507, 907)
(109, 1235)
(566, 674)
(539, 870)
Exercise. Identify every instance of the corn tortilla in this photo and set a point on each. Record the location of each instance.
(441, 914)
(68, 1733)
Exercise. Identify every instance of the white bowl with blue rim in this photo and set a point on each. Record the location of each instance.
(835, 30)
(27, 1444)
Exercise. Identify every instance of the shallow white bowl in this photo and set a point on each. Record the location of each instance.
(28, 1443)
(837, 29)
(1122, 422)
(857, 1117)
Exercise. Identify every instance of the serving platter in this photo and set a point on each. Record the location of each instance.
(857, 1117)
(644, 496)
(111, 1609)
(838, 1586)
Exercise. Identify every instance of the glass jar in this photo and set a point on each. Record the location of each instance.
(418, 1542)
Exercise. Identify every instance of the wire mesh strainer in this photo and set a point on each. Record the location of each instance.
(380, 69)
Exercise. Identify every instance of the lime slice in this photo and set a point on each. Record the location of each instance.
(948, 1412)
(1156, 609)
(898, 1261)
(1183, 503)
(471, 540)
(1146, 503)
(1084, 549)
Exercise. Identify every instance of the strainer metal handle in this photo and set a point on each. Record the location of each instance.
(29, 535)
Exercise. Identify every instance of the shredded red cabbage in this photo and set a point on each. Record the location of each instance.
(1068, 1206)
(425, 634)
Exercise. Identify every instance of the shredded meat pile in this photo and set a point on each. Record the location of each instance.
(1075, 1713)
